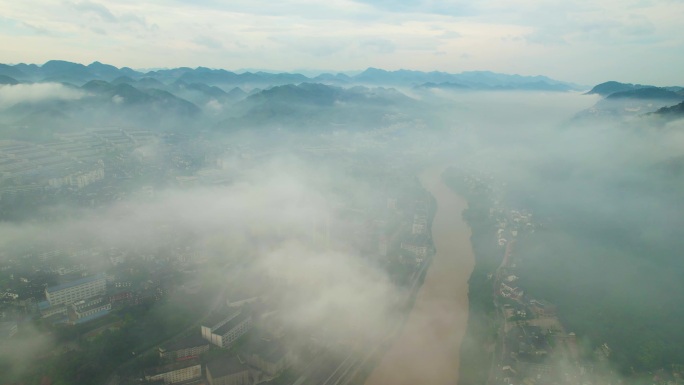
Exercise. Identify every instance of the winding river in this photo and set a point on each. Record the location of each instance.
(427, 349)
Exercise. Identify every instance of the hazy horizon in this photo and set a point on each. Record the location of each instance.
(304, 71)
(581, 42)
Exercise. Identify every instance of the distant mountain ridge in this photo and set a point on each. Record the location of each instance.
(656, 93)
(79, 74)
(676, 111)
(316, 106)
(613, 89)
(95, 102)
(623, 100)
(610, 87)
(4, 79)
(152, 98)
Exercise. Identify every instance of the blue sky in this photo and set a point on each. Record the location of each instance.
(581, 41)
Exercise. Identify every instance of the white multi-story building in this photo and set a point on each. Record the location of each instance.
(418, 250)
(224, 332)
(78, 179)
(419, 224)
(85, 310)
(70, 292)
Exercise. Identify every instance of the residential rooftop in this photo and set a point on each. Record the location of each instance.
(226, 365)
(218, 317)
(185, 343)
(171, 367)
(77, 282)
(232, 323)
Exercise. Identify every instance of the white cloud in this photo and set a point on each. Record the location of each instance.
(208, 42)
(555, 38)
(98, 10)
(18, 93)
(379, 45)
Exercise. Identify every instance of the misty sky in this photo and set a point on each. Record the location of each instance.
(582, 41)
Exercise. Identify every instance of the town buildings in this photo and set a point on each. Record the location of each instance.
(191, 346)
(86, 310)
(73, 291)
(223, 331)
(228, 370)
(420, 249)
(419, 224)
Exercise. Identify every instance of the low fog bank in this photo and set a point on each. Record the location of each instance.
(288, 232)
(261, 206)
(22, 93)
(18, 354)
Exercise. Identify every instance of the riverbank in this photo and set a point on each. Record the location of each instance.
(427, 351)
(478, 345)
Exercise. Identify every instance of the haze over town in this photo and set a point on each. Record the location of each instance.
(431, 192)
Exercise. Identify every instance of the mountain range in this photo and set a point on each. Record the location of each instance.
(183, 98)
(676, 111)
(617, 90)
(79, 74)
(625, 99)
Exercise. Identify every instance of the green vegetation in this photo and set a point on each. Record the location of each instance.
(634, 307)
(609, 257)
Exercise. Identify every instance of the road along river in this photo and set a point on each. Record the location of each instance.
(427, 349)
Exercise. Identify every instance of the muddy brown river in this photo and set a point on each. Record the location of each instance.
(427, 348)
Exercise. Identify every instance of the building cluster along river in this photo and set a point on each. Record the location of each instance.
(427, 350)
